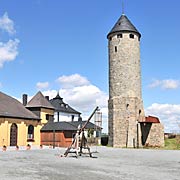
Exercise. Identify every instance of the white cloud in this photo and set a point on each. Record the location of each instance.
(165, 84)
(74, 80)
(78, 91)
(85, 97)
(81, 95)
(155, 83)
(8, 51)
(169, 115)
(170, 84)
(42, 85)
(50, 93)
(7, 24)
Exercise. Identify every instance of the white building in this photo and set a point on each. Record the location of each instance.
(64, 112)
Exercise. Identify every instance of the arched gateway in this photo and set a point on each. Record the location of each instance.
(13, 135)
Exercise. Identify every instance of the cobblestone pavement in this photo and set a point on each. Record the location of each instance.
(107, 163)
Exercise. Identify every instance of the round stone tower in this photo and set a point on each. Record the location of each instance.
(125, 98)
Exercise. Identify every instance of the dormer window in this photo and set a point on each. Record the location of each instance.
(131, 36)
(119, 36)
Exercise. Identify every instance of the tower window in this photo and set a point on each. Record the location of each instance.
(110, 38)
(131, 36)
(115, 49)
(119, 36)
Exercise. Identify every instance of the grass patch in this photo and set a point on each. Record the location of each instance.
(172, 144)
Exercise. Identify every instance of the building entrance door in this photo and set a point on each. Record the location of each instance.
(13, 135)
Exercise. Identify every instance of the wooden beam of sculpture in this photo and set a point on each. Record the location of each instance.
(79, 131)
(84, 126)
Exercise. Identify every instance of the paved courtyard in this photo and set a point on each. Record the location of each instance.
(108, 163)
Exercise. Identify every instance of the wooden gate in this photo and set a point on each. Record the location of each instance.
(13, 135)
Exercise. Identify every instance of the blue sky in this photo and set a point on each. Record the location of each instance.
(61, 45)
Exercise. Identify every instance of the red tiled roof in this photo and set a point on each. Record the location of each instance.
(152, 119)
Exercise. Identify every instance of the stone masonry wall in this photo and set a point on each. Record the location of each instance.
(156, 135)
(125, 101)
(124, 129)
(124, 66)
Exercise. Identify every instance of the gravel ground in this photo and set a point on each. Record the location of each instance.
(107, 163)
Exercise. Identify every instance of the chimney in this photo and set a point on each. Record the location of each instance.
(47, 97)
(24, 99)
(79, 118)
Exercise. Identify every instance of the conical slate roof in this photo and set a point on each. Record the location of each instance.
(39, 101)
(123, 25)
(10, 107)
(60, 106)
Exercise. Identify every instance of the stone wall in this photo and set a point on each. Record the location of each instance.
(124, 66)
(154, 133)
(124, 115)
(125, 101)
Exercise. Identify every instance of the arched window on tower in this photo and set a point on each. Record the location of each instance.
(119, 36)
(131, 36)
(30, 135)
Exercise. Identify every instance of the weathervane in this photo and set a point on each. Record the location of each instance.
(123, 7)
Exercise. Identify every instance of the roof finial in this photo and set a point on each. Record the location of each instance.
(58, 96)
(57, 93)
(123, 7)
